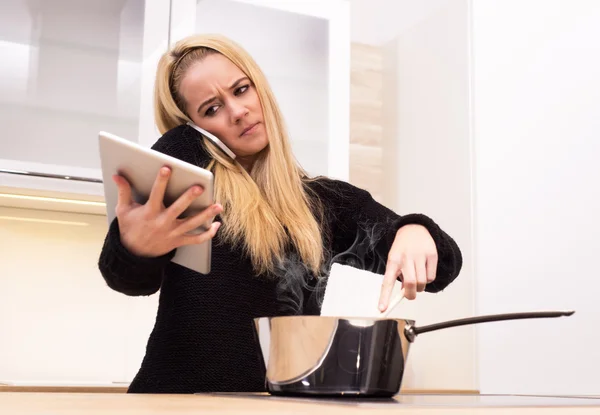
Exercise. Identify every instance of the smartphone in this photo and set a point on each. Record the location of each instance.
(214, 139)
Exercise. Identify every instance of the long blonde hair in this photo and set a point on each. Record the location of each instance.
(263, 210)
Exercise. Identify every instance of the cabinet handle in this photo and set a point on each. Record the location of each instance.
(51, 176)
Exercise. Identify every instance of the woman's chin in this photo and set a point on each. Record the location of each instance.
(256, 146)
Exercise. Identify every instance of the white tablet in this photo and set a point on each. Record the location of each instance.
(140, 166)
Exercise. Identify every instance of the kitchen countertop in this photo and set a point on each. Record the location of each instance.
(40, 403)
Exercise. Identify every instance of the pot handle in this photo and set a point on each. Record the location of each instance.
(412, 331)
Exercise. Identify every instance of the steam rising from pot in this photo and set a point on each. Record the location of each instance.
(300, 292)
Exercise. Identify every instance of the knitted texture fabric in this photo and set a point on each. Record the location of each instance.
(203, 339)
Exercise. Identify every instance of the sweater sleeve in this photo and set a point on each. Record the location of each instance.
(134, 275)
(364, 230)
(127, 273)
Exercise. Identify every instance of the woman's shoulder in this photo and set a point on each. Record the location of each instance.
(336, 193)
(185, 143)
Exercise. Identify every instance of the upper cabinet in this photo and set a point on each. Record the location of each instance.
(69, 70)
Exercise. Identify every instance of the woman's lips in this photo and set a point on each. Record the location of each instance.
(250, 130)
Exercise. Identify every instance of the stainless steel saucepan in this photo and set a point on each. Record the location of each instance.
(334, 356)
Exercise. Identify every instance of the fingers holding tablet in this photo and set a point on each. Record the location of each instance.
(125, 200)
(184, 201)
(159, 188)
(199, 221)
(152, 229)
(191, 239)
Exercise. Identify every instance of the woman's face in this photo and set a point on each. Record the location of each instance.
(221, 99)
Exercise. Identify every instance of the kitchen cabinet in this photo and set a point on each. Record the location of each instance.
(304, 49)
(59, 322)
(74, 68)
(71, 69)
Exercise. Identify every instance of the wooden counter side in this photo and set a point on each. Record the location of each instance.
(123, 389)
(128, 404)
(62, 389)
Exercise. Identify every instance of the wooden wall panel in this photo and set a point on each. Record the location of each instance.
(366, 118)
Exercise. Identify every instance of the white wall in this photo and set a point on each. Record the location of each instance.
(508, 91)
(537, 100)
(376, 22)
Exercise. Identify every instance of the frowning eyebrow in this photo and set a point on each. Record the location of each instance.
(233, 86)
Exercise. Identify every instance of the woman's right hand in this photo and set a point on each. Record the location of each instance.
(151, 229)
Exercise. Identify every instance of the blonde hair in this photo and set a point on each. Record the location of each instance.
(265, 209)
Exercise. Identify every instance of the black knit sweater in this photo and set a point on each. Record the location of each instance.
(203, 339)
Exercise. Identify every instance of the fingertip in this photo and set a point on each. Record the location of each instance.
(165, 170)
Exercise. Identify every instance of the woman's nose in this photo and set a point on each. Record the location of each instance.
(238, 112)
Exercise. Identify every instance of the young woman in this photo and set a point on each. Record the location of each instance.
(275, 230)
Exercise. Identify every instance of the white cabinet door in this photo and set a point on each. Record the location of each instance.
(304, 49)
(70, 69)
(59, 322)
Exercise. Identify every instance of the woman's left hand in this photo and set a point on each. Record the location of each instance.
(413, 257)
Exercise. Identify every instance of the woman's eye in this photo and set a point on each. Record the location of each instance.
(211, 110)
(241, 90)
